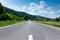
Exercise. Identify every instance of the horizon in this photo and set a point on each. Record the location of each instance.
(50, 9)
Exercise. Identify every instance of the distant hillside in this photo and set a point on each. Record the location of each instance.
(8, 14)
(26, 16)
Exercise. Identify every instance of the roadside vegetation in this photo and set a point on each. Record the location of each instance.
(8, 18)
(8, 22)
(52, 23)
(55, 22)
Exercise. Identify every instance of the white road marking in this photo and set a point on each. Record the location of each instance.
(30, 37)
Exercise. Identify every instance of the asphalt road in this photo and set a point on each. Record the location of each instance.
(35, 30)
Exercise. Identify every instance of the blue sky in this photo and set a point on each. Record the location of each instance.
(46, 8)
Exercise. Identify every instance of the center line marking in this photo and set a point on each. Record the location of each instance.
(30, 37)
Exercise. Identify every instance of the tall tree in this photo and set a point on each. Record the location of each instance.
(1, 9)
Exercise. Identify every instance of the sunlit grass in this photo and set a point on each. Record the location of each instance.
(5, 23)
(53, 23)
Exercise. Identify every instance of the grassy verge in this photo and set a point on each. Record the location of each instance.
(5, 23)
(53, 23)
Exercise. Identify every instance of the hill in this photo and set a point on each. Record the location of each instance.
(25, 15)
(7, 14)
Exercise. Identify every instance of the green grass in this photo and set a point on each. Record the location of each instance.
(53, 23)
(5, 23)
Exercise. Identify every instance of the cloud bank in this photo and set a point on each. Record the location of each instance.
(7, 3)
(41, 9)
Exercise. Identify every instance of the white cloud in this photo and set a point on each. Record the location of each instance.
(7, 3)
(58, 11)
(23, 8)
(2, 0)
(41, 9)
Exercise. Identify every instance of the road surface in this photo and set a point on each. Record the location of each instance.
(29, 31)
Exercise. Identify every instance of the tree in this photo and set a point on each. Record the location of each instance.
(1, 9)
(57, 19)
(47, 19)
(3, 17)
(0, 4)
